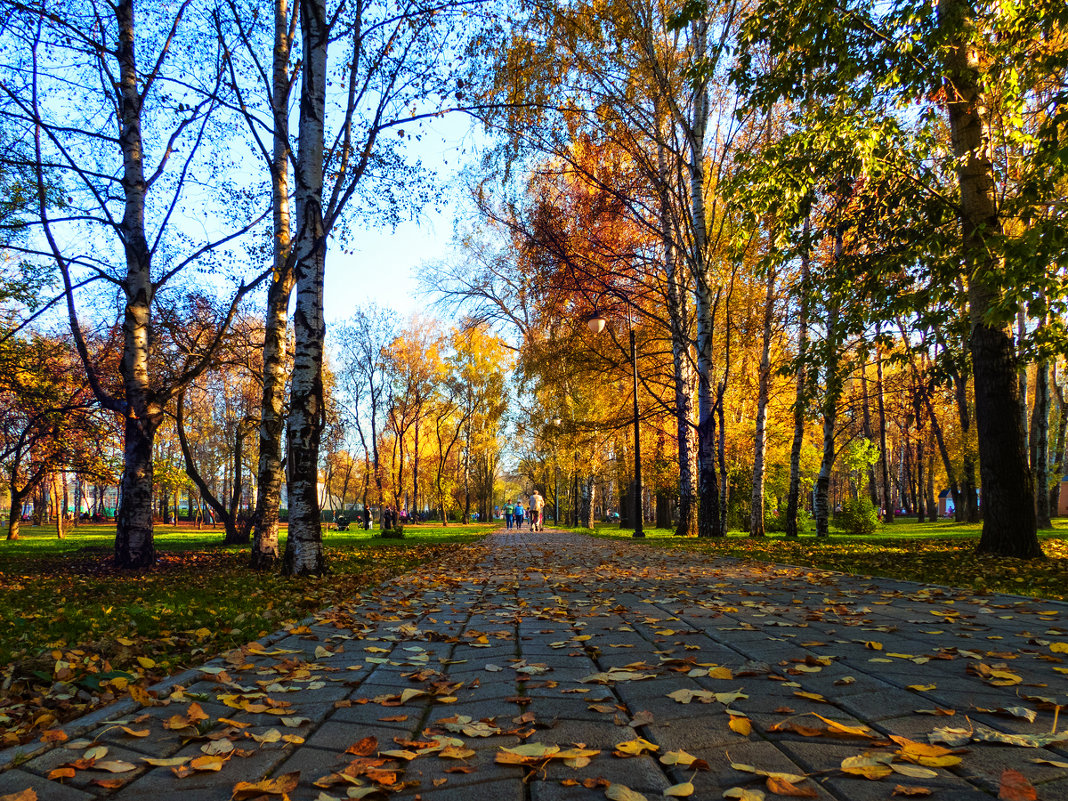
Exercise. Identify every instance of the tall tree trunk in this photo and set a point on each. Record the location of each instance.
(932, 503)
(415, 466)
(238, 533)
(269, 474)
(756, 510)
(60, 493)
(304, 546)
(832, 392)
(1009, 524)
(1040, 444)
(1021, 370)
(1058, 446)
(800, 382)
(134, 545)
(873, 488)
(884, 455)
(679, 316)
(589, 491)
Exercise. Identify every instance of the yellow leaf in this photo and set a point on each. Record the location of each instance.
(410, 693)
(637, 747)
(683, 790)
(840, 728)
(115, 766)
(1059, 647)
(537, 750)
(720, 673)
(677, 758)
(269, 736)
(201, 633)
(208, 763)
(146, 662)
(922, 688)
(321, 652)
(169, 762)
(811, 696)
(96, 752)
(873, 646)
(620, 792)
(744, 794)
(914, 771)
(741, 725)
(866, 766)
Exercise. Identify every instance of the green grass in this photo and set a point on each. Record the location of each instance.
(941, 552)
(61, 601)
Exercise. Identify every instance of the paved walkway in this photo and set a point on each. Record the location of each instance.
(715, 673)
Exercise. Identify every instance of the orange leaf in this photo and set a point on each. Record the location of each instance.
(280, 785)
(782, 787)
(53, 736)
(1016, 787)
(61, 773)
(903, 790)
(364, 747)
(29, 794)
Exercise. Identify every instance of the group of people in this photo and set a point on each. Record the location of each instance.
(515, 513)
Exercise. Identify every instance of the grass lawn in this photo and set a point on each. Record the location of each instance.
(940, 553)
(75, 632)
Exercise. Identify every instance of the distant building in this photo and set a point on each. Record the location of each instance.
(946, 507)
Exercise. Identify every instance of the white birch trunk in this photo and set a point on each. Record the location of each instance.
(272, 423)
(756, 512)
(304, 547)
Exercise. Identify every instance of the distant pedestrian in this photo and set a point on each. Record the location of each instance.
(366, 518)
(519, 514)
(509, 514)
(537, 507)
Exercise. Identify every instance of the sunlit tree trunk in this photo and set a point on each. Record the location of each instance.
(756, 512)
(1009, 524)
(269, 474)
(134, 545)
(304, 546)
(884, 456)
(800, 381)
(832, 388)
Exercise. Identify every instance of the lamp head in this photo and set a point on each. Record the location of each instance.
(596, 322)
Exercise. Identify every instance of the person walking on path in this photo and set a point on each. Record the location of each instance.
(520, 513)
(509, 514)
(537, 507)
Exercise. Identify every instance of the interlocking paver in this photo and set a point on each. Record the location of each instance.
(509, 635)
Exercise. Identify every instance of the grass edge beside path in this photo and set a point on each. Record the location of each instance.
(941, 553)
(76, 634)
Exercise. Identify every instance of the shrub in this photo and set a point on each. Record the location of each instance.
(858, 516)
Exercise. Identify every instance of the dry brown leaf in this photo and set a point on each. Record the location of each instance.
(780, 786)
(1016, 787)
(63, 772)
(281, 785)
(363, 747)
(917, 791)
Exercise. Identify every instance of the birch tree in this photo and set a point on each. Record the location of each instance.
(119, 108)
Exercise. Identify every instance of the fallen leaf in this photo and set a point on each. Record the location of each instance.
(780, 786)
(741, 725)
(281, 785)
(867, 765)
(918, 791)
(683, 790)
(115, 766)
(620, 792)
(1016, 787)
(744, 794)
(635, 747)
(61, 773)
(363, 747)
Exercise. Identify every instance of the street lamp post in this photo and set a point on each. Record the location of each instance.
(596, 324)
